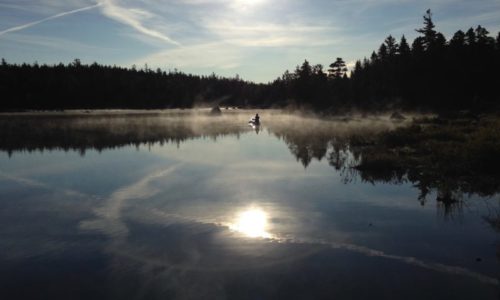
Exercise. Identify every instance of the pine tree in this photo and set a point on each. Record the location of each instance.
(382, 52)
(304, 71)
(392, 46)
(366, 62)
(458, 39)
(498, 41)
(417, 46)
(337, 69)
(470, 37)
(440, 41)
(76, 63)
(357, 68)
(482, 37)
(428, 30)
(404, 48)
(318, 70)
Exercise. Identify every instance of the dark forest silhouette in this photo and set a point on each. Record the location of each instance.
(431, 73)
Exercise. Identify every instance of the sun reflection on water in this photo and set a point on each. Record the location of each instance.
(252, 223)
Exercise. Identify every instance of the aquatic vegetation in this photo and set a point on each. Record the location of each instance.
(444, 154)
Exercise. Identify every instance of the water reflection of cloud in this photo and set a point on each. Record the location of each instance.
(36, 219)
(109, 214)
(259, 171)
(250, 222)
(233, 177)
(141, 190)
(206, 232)
(37, 184)
(438, 267)
(175, 227)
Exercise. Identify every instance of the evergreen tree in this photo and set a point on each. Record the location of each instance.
(76, 63)
(304, 71)
(337, 69)
(458, 40)
(302, 84)
(470, 37)
(391, 45)
(382, 52)
(428, 30)
(404, 48)
(357, 68)
(366, 63)
(287, 76)
(440, 41)
(317, 70)
(418, 46)
(482, 37)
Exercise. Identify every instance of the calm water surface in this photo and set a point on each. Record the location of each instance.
(180, 205)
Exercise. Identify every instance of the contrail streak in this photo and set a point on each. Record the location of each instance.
(21, 27)
(132, 17)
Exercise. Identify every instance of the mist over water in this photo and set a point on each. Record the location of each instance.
(106, 129)
(182, 204)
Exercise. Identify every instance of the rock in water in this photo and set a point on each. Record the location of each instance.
(397, 116)
(216, 111)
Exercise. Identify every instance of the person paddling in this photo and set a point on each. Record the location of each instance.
(257, 119)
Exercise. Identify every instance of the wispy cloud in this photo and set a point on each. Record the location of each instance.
(43, 7)
(206, 55)
(225, 35)
(266, 34)
(59, 15)
(257, 39)
(133, 17)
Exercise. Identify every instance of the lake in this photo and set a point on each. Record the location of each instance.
(178, 204)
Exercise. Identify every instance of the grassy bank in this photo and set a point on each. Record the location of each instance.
(459, 154)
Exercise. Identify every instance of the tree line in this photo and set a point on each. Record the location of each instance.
(77, 85)
(430, 73)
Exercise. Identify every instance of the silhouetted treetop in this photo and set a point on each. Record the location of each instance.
(428, 30)
(404, 48)
(391, 45)
(337, 69)
(431, 74)
(458, 40)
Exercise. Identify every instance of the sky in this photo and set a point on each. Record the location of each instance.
(256, 39)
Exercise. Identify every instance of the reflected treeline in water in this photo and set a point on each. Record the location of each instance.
(446, 155)
(308, 137)
(82, 131)
(449, 156)
(313, 138)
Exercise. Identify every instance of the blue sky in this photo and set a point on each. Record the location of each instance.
(257, 39)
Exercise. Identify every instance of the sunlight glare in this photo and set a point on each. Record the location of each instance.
(249, 2)
(252, 223)
(246, 4)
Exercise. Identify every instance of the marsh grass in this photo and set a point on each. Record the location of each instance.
(444, 154)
